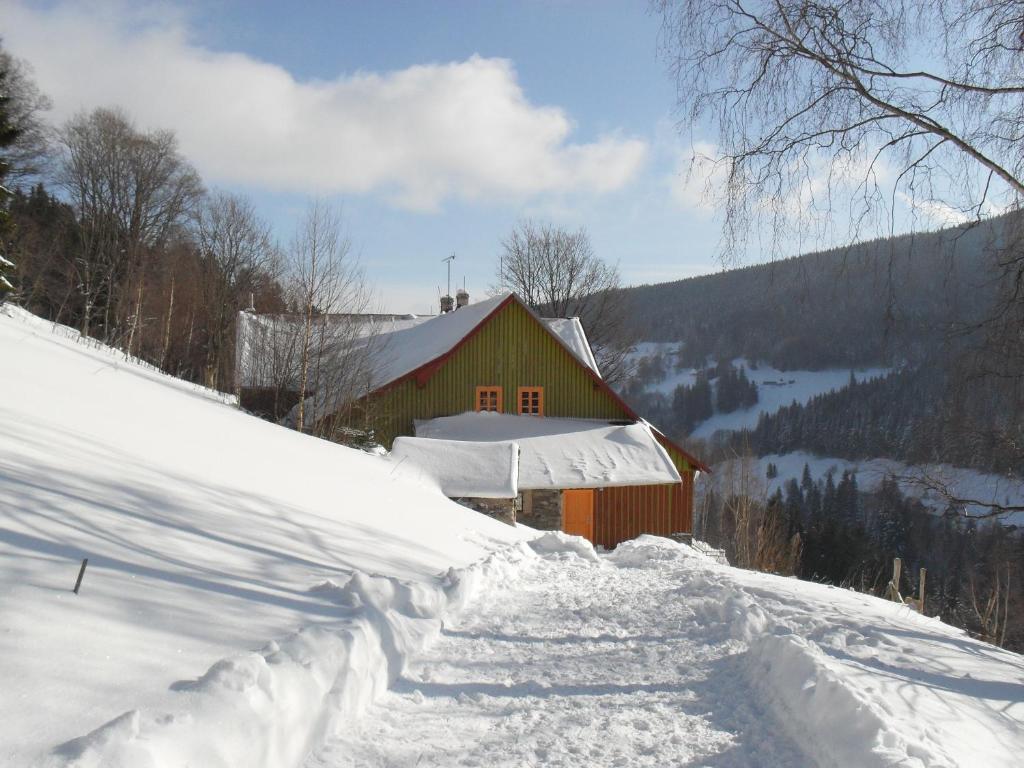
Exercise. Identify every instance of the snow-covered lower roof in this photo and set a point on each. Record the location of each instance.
(478, 470)
(564, 453)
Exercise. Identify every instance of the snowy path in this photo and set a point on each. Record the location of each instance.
(582, 663)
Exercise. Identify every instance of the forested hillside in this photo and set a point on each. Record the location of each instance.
(881, 302)
(918, 415)
(918, 307)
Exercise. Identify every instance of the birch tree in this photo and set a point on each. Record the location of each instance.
(327, 280)
(816, 103)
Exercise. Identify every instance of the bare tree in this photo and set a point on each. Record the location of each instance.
(817, 101)
(236, 252)
(823, 105)
(557, 274)
(24, 106)
(991, 604)
(327, 279)
(736, 514)
(130, 190)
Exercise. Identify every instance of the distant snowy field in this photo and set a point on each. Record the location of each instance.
(260, 598)
(964, 483)
(775, 388)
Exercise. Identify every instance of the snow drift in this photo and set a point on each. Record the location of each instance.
(207, 532)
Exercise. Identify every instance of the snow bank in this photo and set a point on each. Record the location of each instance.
(268, 709)
(558, 542)
(834, 722)
(206, 531)
(853, 680)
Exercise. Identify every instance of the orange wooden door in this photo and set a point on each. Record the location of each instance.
(578, 512)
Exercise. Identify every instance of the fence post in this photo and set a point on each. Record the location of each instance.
(920, 593)
(894, 585)
(81, 573)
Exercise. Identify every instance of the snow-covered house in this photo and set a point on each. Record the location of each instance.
(504, 382)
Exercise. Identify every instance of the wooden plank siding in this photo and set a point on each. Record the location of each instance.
(511, 350)
(625, 512)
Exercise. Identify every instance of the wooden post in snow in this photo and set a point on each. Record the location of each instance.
(81, 574)
(920, 592)
(894, 585)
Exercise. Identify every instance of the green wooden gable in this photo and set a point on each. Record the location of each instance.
(510, 349)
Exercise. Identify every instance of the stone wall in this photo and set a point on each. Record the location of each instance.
(499, 509)
(542, 510)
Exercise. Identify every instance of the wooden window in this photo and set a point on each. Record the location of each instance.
(531, 401)
(488, 399)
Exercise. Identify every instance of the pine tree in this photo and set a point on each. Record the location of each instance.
(8, 135)
(6, 268)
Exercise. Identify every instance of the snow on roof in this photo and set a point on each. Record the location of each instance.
(402, 351)
(478, 470)
(405, 349)
(268, 346)
(570, 331)
(395, 345)
(565, 453)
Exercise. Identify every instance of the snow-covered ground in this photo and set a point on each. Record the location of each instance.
(208, 533)
(259, 598)
(656, 656)
(916, 481)
(775, 388)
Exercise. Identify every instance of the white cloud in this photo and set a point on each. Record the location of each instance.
(698, 181)
(936, 213)
(418, 135)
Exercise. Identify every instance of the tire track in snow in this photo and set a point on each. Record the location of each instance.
(608, 663)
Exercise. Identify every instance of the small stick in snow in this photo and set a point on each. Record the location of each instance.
(81, 573)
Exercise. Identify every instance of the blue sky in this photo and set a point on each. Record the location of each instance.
(436, 126)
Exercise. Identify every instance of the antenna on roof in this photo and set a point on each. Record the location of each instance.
(447, 302)
(449, 261)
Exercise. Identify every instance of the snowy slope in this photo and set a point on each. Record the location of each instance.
(775, 388)
(252, 591)
(913, 479)
(207, 533)
(655, 656)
